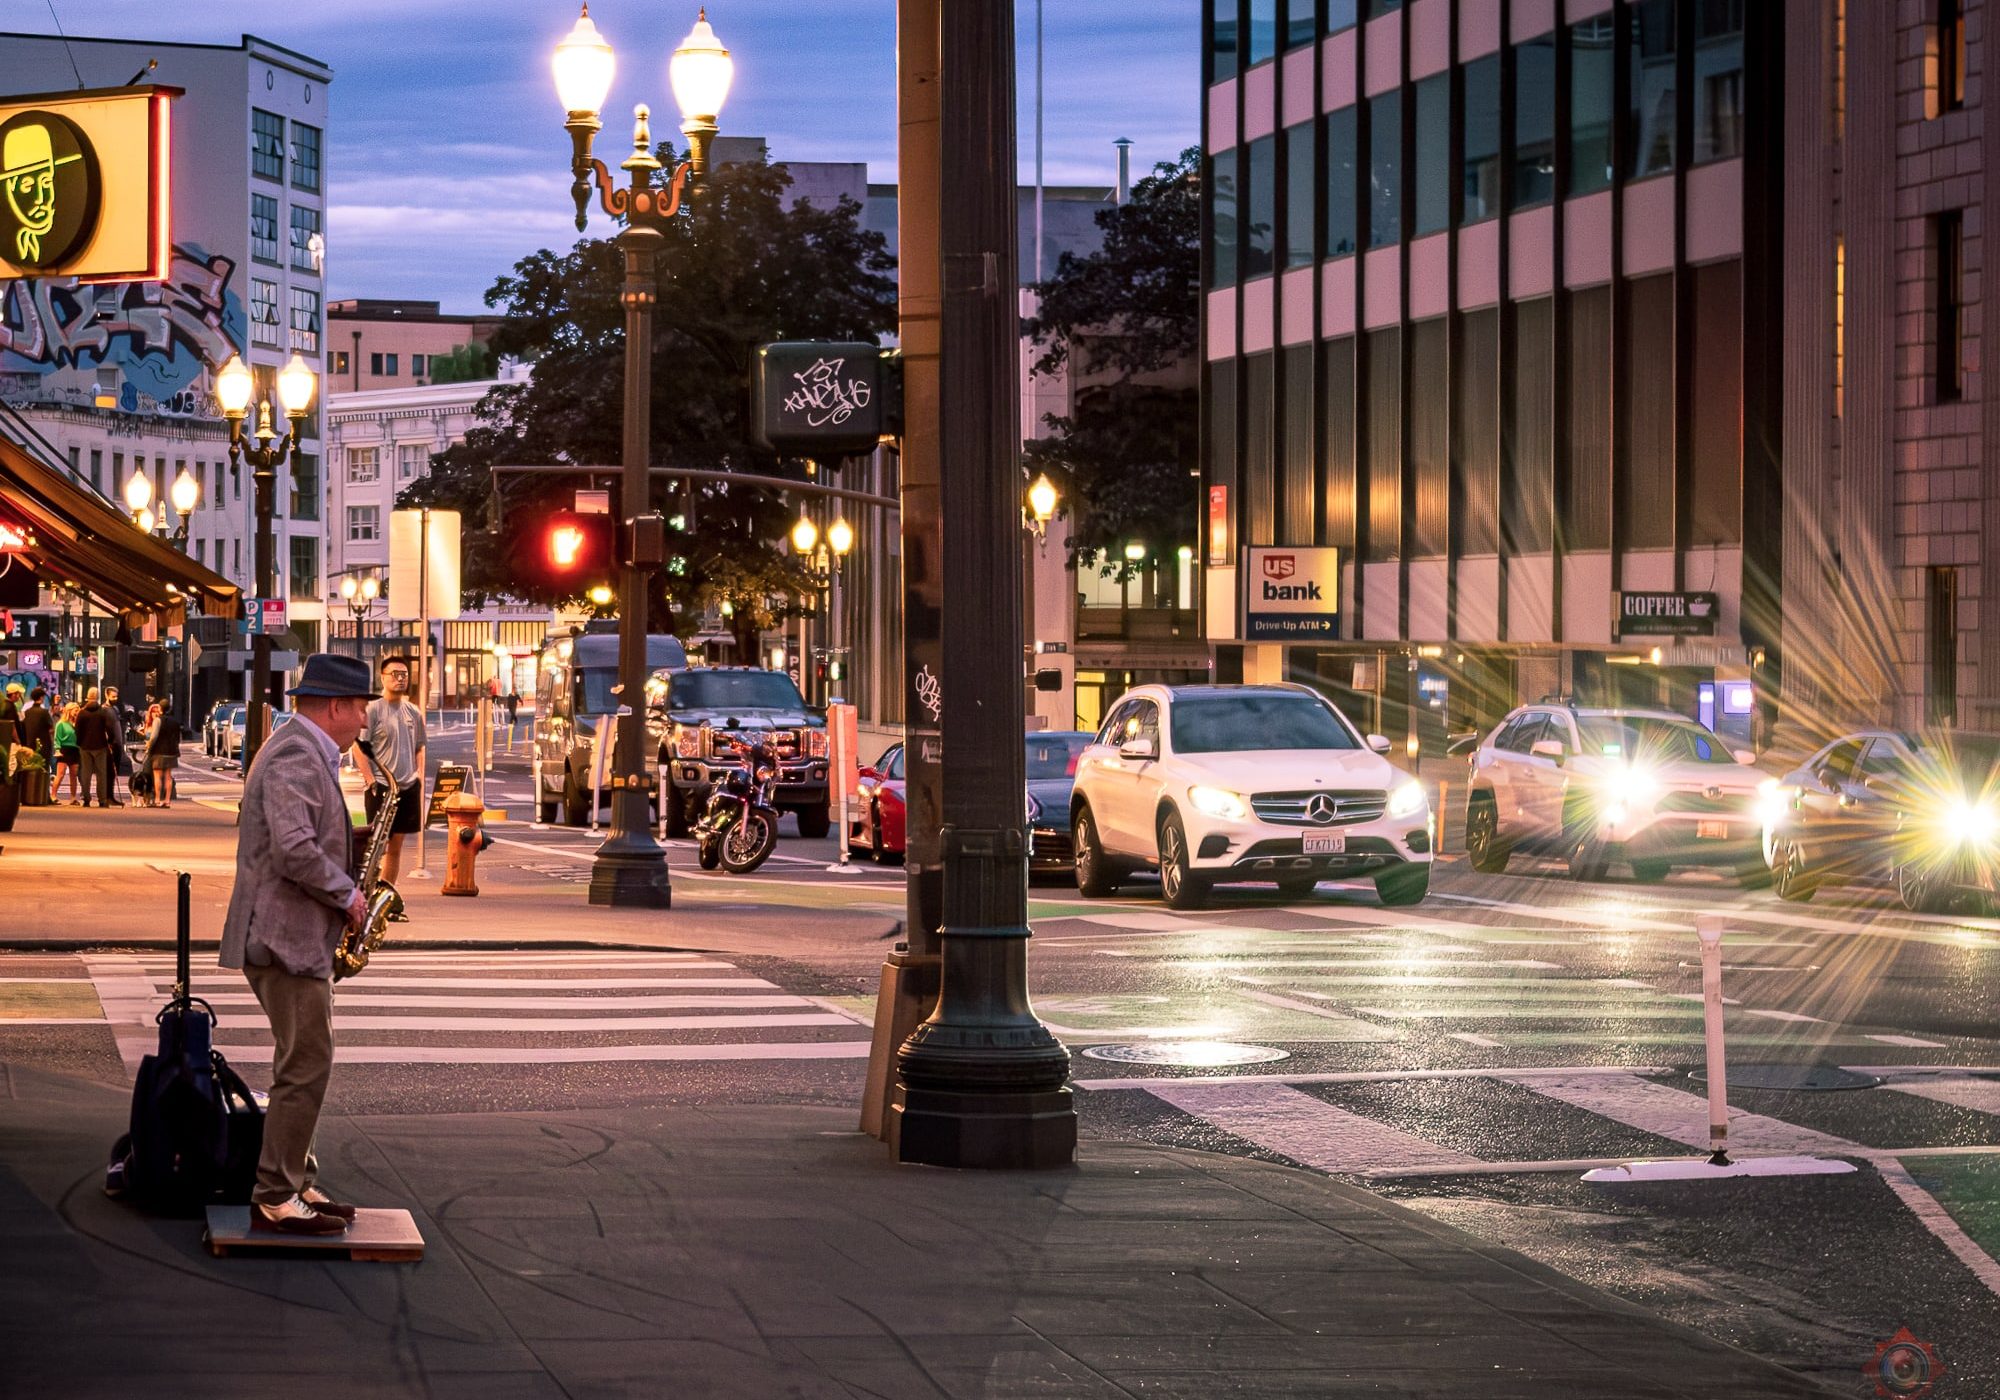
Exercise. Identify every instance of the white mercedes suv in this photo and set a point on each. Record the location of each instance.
(1244, 782)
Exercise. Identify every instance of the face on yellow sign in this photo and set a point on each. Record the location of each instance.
(84, 185)
(51, 180)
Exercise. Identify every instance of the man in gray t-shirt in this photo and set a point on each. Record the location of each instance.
(395, 727)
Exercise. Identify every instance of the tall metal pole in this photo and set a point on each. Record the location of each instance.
(631, 867)
(982, 1082)
(1038, 143)
(264, 481)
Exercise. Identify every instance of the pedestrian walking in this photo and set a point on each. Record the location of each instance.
(294, 894)
(395, 729)
(69, 759)
(513, 707)
(163, 754)
(94, 726)
(38, 728)
(121, 754)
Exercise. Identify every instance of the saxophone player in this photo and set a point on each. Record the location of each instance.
(292, 898)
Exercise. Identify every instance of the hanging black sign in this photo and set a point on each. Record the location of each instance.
(1665, 614)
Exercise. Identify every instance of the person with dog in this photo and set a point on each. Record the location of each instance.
(294, 895)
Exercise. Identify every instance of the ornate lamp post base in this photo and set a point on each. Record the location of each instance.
(630, 872)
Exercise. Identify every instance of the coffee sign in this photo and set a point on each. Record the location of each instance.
(1665, 614)
(1291, 595)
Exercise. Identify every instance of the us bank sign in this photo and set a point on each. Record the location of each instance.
(1291, 595)
(84, 185)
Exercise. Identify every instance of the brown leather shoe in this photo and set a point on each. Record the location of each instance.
(294, 1217)
(325, 1204)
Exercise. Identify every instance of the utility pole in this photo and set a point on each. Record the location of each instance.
(980, 1082)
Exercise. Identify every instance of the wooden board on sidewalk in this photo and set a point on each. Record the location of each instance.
(375, 1236)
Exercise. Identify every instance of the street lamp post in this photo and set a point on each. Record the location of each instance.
(234, 387)
(360, 594)
(839, 541)
(631, 868)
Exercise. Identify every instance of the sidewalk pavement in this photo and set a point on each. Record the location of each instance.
(773, 1251)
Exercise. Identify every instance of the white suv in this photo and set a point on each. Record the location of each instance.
(1593, 786)
(1244, 782)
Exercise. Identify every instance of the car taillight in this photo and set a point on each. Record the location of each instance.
(687, 742)
(1069, 771)
(816, 743)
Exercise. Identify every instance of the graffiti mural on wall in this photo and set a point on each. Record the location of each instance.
(160, 335)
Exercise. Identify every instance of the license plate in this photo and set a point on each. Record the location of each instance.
(1716, 831)
(1326, 843)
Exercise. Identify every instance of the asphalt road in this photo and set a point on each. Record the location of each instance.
(1471, 1057)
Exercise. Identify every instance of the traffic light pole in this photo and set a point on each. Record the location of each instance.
(630, 870)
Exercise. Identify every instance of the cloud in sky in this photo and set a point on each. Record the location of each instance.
(446, 156)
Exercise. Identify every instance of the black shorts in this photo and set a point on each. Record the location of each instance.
(409, 808)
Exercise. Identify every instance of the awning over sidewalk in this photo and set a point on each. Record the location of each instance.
(80, 539)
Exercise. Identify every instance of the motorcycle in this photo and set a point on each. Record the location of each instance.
(738, 829)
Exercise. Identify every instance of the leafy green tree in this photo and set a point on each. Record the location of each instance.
(1123, 322)
(463, 365)
(741, 268)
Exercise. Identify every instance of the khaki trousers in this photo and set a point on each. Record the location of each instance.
(301, 1015)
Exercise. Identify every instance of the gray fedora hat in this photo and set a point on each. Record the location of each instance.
(335, 676)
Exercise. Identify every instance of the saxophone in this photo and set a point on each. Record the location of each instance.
(350, 954)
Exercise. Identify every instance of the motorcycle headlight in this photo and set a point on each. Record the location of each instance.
(1407, 800)
(1218, 802)
(687, 741)
(816, 743)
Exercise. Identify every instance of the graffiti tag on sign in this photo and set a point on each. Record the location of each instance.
(930, 693)
(824, 397)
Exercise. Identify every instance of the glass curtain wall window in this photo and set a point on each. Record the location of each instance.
(267, 144)
(305, 225)
(1652, 90)
(1385, 170)
(1375, 9)
(1263, 32)
(1222, 36)
(1535, 122)
(1340, 14)
(1482, 138)
(1341, 139)
(1592, 57)
(1300, 248)
(1301, 23)
(263, 228)
(1433, 155)
(1718, 80)
(1221, 219)
(1260, 205)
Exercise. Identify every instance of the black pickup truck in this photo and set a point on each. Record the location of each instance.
(700, 711)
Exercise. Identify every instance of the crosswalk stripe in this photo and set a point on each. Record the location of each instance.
(1354, 1027)
(1307, 1129)
(574, 1025)
(572, 1054)
(347, 1001)
(524, 983)
(1675, 1114)
(1982, 1095)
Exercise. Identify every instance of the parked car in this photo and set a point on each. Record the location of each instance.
(1052, 759)
(879, 831)
(232, 737)
(701, 712)
(1244, 782)
(221, 715)
(1597, 786)
(1916, 813)
(576, 683)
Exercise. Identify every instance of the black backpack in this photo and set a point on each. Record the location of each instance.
(197, 1130)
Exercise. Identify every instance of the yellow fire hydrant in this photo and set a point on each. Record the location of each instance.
(462, 842)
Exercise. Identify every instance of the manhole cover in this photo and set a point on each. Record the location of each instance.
(1819, 1077)
(1203, 1054)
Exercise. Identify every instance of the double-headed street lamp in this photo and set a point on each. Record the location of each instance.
(360, 595)
(184, 494)
(839, 542)
(631, 868)
(234, 387)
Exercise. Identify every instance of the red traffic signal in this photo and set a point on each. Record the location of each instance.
(567, 552)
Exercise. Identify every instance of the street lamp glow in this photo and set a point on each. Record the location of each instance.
(805, 535)
(700, 71)
(186, 492)
(1135, 551)
(233, 387)
(147, 520)
(840, 536)
(349, 587)
(583, 66)
(138, 492)
(601, 596)
(296, 383)
(1042, 499)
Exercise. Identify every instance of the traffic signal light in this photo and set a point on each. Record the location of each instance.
(567, 552)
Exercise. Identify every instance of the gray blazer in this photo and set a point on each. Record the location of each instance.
(292, 851)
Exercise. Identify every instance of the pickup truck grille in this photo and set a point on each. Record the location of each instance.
(1319, 807)
(784, 741)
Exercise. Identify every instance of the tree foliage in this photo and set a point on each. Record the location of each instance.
(739, 269)
(463, 365)
(1122, 322)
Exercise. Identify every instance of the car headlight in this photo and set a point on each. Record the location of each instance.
(687, 741)
(1973, 823)
(1407, 800)
(1629, 785)
(816, 743)
(1770, 803)
(1218, 802)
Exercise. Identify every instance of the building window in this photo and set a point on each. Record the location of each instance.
(1527, 494)
(1222, 36)
(375, 363)
(1718, 93)
(1476, 388)
(305, 228)
(1840, 70)
(1534, 122)
(1296, 469)
(1383, 360)
(1941, 646)
(1427, 492)
(1433, 155)
(264, 324)
(1482, 139)
(417, 363)
(1340, 181)
(1378, 8)
(364, 524)
(305, 321)
(1948, 255)
(305, 157)
(97, 469)
(364, 465)
(264, 227)
(1839, 324)
(412, 460)
(1592, 57)
(1300, 247)
(1222, 219)
(1950, 55)
(201, 552)
(1337, 476)
(1340, 14)
(216, 496)
(1715, 429)
(267, 144)
(1586, 518)
(305, 486)
(305, 566)
(1263, 32)
(341, 364)
(1301, 22)
(1385, 170)
(1260, 205)
(235, 556)
(1652, 112)
(1257, 470)
(235, 481)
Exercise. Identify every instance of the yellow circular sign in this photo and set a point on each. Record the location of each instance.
(49, 189)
